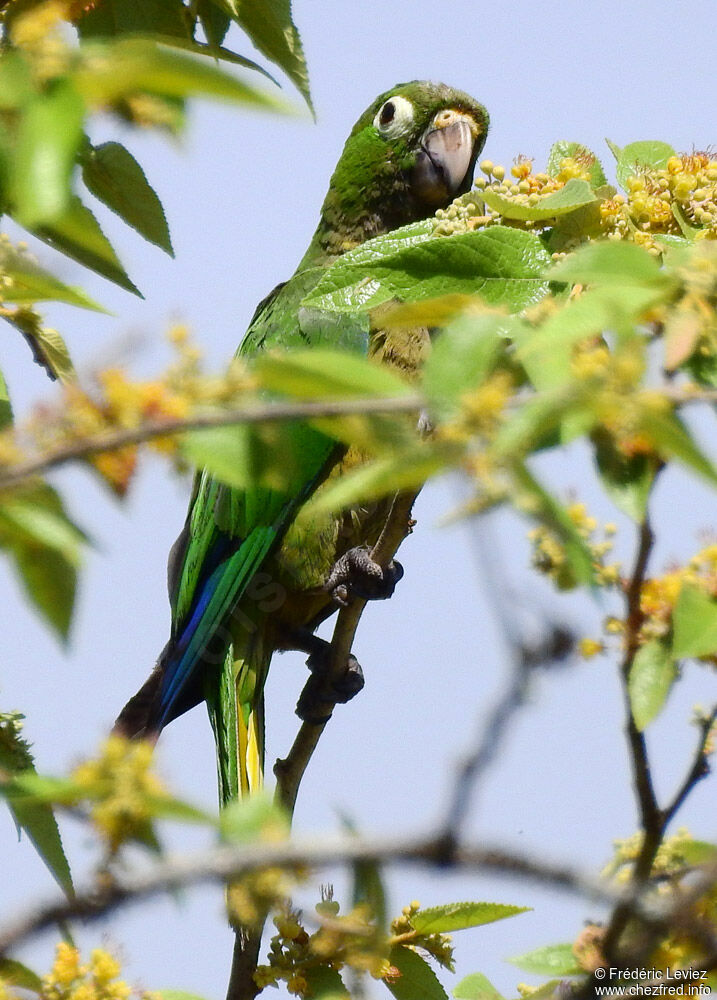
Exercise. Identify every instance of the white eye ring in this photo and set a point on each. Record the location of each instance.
(394, 117)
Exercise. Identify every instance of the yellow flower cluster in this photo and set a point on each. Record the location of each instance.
(37, 33)
(469, 211)
(549, 555)
(122, 789)
(672, 864)
(97, 979)
(672, 201)
(660, 594)
(352, 941)
(112, 402)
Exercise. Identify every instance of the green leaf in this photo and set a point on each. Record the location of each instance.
(119, 17)
(562, 150)
(417, 981)
(476, 987)
(111, 70)
(255, 818)
(28, 282)
(673, 439)
(49, 349)
(368, 888)
(611, 262)
(16, 974)
(5, 405)
(457, 916)
(546, 508)
(177, 995)
(48, 138)
(325, 983)
(325, 374)
(215, 21)
(45, 547)
(652, 674)
(614, 148)
(553, 960)
(35, 818)
(694, 623)
(78, 235)
(698, 852)
(502, 265)
(627, 480)
(461, 358)
(575, 194)
(639, 156)
(113, 175)
(269, 25)
(406, 470)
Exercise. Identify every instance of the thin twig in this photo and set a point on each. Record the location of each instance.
(290, 770)
(114, 440)
(700, 767)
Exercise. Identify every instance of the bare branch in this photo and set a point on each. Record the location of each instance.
(261, 413)
(225, 862)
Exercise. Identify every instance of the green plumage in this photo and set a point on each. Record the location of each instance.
(245, 579)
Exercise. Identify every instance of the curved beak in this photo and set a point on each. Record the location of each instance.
(446, 158)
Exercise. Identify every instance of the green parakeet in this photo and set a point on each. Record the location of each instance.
(245, 579)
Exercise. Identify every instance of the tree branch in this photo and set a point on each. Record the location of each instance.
(113, 440)
(290, 770)
(227, 862)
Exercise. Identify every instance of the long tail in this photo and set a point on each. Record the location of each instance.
(235, 701)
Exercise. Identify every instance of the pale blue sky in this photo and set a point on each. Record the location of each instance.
(242, 194)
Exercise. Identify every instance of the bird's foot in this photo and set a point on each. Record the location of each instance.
(322, 691)
(355, 573)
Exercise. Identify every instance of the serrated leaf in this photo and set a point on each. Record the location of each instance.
(215, 21)
(674, 440)
(461, 358)
(652, 675)
(553, 960)
(627, 480)
(269, 25)
(113, 175)
(325, 983)
(476, 987)
(611, 262)
(5, 405)
(45, 547)
(48, 137)
(561, 150)
(117, 17)
(50, 350)
(637, 157)
(502, 265)
(417, 981)
(78, 235)
(614, 148)
(694, 623)
(546, 350)
(575, 194)
(35, 818)
(111, 70)
(16, 974)
(29, 283)
(385, 475)
(457, 916)
(325, 374)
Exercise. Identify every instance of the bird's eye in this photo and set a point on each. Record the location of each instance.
(387, 114)
(394, 117)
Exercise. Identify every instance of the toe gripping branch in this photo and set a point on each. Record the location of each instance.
(357, 574)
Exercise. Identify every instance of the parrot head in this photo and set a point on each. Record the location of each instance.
(410, 153)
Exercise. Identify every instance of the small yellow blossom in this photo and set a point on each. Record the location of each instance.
(590, 647)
